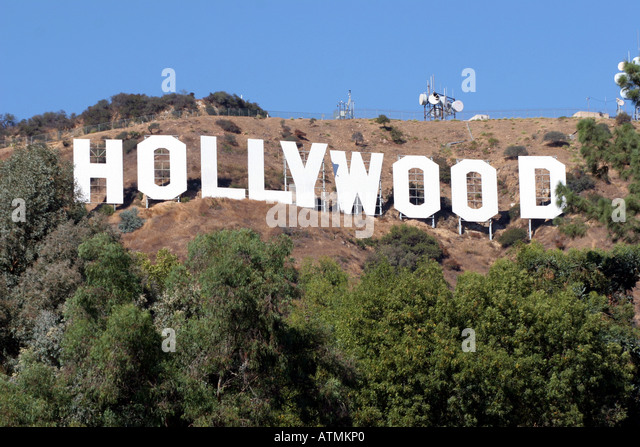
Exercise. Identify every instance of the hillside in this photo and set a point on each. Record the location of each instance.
(173, 225)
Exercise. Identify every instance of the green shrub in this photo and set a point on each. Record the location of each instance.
(383, 120)
(122, 135)
(572, 227)
(228, 126)
(106, 209)
(397, 136)
(622, 118)
(152, 127)
(514, 212)
(512, 236)
(445, 168)
(129, 145)
(230, 139)
(513, 152)
(555, 138)
(578, 181)
(405, 247)
(130, 221)
(233, 105)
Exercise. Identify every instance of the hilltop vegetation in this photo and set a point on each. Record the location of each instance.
(126, 106)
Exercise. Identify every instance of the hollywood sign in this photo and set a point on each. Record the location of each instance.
(350, 180)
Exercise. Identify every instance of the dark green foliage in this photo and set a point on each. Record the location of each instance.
(47, 121)
(631, 82)
(513, 152)
(98, 113)
(622, 118)
(241, 362)
(129, 145)
(445, 168)
(130, 221)
(555, 138)
(152, 127)
(514, 212)
(45, 182)
(383, 120)
(228, 126)
(512, 235)
(571, 227)
(226, 104)
(357, 138)
(230, 139)
(578, 181)
(603, 151)
(405, 247)
(595, 140)
(540, 346)
(396, 135)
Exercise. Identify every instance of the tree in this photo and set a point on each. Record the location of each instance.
(383, 121)
(38, 184)
(241, 362)
(630, 82)
(546, 354)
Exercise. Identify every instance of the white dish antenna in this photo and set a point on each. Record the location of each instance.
(621, 66)
(434, 98)
(636, 60)
(618, 76)
(623, 93)
(620, 102)
(457, 106)
(423, 99)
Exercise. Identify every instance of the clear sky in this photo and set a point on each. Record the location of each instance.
(304, 55)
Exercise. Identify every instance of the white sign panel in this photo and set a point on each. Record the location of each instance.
(146, 167)
(304, 176)
(112, 170)
(356, 181)
(401, 200)
(527, 166)
(256, 176)
(459, 202)
(209, 174)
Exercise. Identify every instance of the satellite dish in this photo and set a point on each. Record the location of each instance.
(423, 99)
(618, 76)
(434, 98)
(620, 102)
(636, 60)
(623, 93)
(621, 66)
(457, 106)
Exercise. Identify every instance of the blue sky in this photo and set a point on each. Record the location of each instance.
(304, 56)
